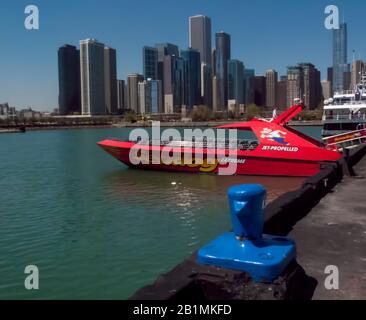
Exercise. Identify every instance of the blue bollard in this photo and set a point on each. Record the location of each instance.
(246, 249)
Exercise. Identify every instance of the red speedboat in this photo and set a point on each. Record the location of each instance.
(278, 151)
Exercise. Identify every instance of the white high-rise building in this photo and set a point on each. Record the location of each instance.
(92, 77)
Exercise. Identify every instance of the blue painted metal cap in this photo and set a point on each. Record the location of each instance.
(246, 210)
(264, 257)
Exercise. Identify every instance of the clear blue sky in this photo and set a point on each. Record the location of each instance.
(265, 34)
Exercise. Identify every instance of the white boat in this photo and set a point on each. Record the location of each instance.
(346, 111)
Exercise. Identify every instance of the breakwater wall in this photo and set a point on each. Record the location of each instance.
(194, 282)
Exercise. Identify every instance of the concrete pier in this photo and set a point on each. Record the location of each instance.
(334, 233)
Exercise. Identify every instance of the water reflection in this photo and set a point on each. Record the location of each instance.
(185, 188)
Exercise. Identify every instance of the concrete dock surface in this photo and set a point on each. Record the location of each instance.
(334, 234)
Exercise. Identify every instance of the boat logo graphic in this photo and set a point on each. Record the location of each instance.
(274, 135)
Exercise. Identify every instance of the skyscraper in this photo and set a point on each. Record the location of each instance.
(308, 89)
(92, 77)
(281, 95)
(174, 84)
(326, 89)
(69, 80)
(121, 95)
(193, 76)
(295, 84)
(222, 56)
(150, 96)
(358, 67)
(206, 85)
(271, 88)
(340, 65)
(312, 86)
(200, 38)
(150, 63)
(258, 90)
(133, 91)
(236, 81)
(214, 94)
(164, 49)
(110, 80)
(248, 74)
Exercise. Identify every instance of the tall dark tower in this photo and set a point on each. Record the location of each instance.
(222, 57)
(200, 39)
(340, 65)
(193, 76)
(69, 80)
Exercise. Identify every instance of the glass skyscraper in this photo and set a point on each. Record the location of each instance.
(150, 62)
(174, 84)
(121, 95)
(193, 76)
(236, 81)
(340, 66)
(110, 80)
(150, 96)
(69, 80)
(222, 56)
(248, 75)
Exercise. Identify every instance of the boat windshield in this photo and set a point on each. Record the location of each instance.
(245, 140)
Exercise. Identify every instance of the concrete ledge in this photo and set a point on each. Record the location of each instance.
(191, 281)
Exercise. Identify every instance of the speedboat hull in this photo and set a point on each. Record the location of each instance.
(245, 164)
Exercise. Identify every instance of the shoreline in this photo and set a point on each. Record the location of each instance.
(178, 124)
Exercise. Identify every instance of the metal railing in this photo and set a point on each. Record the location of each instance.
(345, 140)
(350, 116)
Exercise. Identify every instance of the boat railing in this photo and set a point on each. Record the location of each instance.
(343, 92)
(345, 140)
(349, 116)
(232, 144)
(350, 102)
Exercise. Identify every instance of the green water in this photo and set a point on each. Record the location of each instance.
(94, 228)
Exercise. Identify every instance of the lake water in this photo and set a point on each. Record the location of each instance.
(93, 227)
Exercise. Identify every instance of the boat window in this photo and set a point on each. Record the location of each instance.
(247, 134)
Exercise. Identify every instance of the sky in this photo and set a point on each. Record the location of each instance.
(265, 34)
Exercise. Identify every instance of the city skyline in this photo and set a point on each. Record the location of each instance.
(34, 82)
